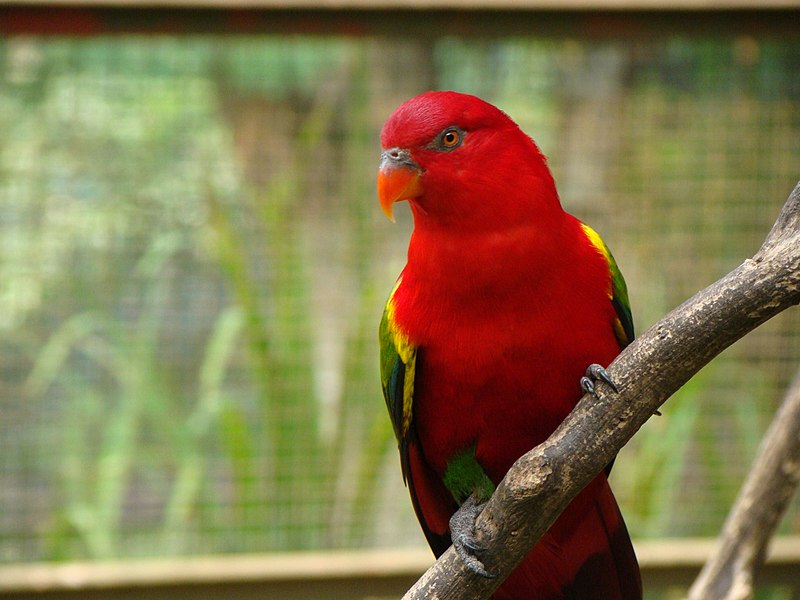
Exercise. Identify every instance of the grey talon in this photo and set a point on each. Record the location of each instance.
(596, 373)
(462, 532)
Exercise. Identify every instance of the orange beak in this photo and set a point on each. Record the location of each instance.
(398, 179)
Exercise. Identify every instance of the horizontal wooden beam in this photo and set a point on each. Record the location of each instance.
(420, 19)
(528, 5)
(301, 566)
(340, 575)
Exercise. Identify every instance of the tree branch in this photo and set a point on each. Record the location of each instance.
(730, 572)
(543, 481)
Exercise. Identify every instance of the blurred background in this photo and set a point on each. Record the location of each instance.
(193, 266)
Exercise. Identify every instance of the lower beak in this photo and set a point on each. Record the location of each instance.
(397, 181)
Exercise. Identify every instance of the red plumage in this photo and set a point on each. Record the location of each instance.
(505, 300)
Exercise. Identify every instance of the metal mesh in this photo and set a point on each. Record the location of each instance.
(193, 267)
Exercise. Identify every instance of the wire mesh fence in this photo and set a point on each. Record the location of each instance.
(193, 267)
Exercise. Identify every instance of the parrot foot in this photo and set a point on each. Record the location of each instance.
(594, 374)
(597, 373)
(462, 532)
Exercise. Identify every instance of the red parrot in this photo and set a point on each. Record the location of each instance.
(504, 302)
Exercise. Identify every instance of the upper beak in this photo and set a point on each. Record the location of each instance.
(398, 179)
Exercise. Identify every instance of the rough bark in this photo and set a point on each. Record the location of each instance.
(543, 481)
(730, 572)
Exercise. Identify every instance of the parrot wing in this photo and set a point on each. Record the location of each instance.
(399, 364)
(618, 293)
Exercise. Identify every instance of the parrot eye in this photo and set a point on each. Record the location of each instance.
(450, 139)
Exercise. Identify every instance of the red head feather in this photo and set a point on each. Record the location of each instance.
(493, 177)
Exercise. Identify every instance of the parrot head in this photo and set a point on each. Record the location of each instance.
(460, 161)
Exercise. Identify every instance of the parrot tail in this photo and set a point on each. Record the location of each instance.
(586, 555)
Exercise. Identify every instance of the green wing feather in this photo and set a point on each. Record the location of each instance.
(623, 324)
(398, 367)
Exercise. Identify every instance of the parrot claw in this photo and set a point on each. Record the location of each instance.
(597, 373)
(594, 374)
(462, 531)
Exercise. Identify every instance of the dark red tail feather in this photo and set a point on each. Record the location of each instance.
(586, 555)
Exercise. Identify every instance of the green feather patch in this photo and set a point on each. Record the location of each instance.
(623, 327)
(465, 476)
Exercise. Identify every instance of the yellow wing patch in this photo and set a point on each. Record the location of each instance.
(617, 290)
(398, 359)
(596, 241)
(400, 340)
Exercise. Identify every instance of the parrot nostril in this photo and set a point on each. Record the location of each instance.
(395, 154)
(397, 157)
